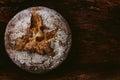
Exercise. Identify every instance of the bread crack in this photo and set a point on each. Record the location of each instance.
(35, 40)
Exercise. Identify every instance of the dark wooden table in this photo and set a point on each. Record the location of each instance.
(95, 52)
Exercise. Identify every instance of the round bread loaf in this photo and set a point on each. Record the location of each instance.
(38, 39)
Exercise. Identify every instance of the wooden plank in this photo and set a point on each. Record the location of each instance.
(95, 51)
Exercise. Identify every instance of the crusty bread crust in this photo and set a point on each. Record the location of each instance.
(33, 62)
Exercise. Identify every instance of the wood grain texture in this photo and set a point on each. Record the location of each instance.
(95, 52)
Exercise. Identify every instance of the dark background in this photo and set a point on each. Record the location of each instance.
(95, 52)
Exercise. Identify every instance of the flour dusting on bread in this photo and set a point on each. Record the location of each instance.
(55, 31)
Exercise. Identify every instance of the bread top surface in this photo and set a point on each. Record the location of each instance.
(36, 61)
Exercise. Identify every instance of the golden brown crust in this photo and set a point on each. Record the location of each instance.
(35, 39)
